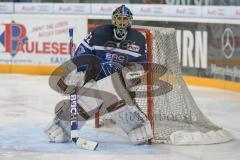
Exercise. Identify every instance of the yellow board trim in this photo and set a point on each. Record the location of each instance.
(212, 83)
(27, 69)
(191, 80)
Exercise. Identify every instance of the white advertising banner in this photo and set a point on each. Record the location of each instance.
(36, 8)
(6, 8)
(234, 12)
(148, 9)
(104, 8)
(39, 39)
(155, 10)
(216, 12)
(183, 11)
(71, 8)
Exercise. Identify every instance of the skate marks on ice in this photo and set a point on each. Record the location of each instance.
(32, 138)
(27, 105)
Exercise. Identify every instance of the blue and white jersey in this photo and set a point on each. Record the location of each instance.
(112, 54)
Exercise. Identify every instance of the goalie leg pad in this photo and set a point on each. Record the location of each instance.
(134, 122)
(86, 105)
(113, 92)
(115, 85)
(142, 134)
(127, 116)
(58, 131)
(88, 98)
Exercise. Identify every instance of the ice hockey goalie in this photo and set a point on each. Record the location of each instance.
(105, 53)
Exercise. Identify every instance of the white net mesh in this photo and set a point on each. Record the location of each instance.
(176, 117)
(174, 114)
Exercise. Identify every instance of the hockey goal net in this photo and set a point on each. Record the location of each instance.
(174, 115)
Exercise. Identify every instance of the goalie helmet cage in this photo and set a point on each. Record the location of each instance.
(174, 115)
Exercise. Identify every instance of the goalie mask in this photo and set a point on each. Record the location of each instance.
(121, 20)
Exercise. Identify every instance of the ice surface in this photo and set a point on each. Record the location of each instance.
(27, 104)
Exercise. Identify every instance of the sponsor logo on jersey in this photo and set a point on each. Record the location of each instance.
(133, 47)
(115, 57)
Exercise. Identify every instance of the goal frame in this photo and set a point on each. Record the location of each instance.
(187, 125)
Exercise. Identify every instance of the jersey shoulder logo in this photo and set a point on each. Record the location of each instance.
(88, 38)
(81, 50)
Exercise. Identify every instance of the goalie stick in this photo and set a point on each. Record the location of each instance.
(80, 142)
